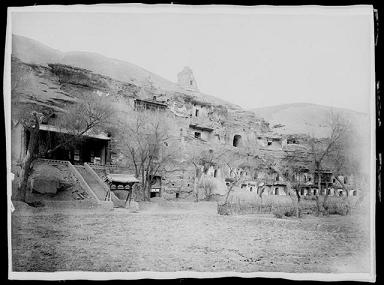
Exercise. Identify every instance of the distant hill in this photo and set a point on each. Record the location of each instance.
(305, 118)
(32, 51)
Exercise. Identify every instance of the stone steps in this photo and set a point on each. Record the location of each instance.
(98, 186)
(98, 189)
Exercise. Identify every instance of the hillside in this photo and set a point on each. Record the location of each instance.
(305, 118)
(31, 51)
(122, 77)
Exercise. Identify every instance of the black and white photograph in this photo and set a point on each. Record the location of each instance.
(176, 141)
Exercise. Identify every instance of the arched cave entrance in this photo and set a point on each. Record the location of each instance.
(236, 140)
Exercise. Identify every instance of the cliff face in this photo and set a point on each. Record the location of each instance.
(33, 52)
(44, 77)
(56, 85)
(201, 122)
(198, 124)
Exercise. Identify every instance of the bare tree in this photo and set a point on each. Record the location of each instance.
(293, 166)
(202, 160)
(231, 161)
(76, 120)
(145, 139)
(322, 150)
(349, 159)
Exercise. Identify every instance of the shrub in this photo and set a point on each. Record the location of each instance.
(244, 202)
(206, 187)
(284, 211)
(223, 210)
(278, 214)
(309, 197)
(337, 206)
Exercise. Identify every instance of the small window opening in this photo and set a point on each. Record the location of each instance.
(236, 140)
(191, 82)
(197, 135)
(276, 191)
(269, 142)
(153, 194)
(196, 113)
(177, 195)
(215, 173)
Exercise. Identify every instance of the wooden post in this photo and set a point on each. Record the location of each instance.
(160, 190)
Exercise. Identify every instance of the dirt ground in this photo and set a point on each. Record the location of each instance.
(185, 237)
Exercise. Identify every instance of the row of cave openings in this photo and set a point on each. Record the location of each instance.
(236, 139)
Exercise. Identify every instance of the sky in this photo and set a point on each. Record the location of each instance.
(253, 60)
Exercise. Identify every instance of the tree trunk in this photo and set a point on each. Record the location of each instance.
(297, 190)
(325, 198)
(318, 204)
(27, 163)
(195, 191)
(342, 185)
(195, 182)
(143, 186)
(260, 191)
(228, 192)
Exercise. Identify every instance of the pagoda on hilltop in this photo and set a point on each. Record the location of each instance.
(186, 79)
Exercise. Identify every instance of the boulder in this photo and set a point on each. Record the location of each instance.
(47, 179)
(44, 185)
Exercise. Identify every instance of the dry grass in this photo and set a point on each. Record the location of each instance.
(187, 237)
(244, 202)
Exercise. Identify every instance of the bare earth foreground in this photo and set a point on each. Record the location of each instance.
(185, 237)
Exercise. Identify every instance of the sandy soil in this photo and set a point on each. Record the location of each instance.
(184, 237)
